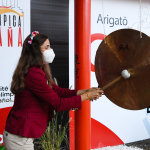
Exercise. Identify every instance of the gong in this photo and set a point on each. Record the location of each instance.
(125, 49)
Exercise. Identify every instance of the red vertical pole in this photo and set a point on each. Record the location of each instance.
(72, 129)
(82, 71)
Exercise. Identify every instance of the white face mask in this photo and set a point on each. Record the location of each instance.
(48, 56)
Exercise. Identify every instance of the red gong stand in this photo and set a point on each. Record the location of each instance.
(82, 71)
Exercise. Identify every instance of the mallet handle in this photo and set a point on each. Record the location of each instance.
(111, 83)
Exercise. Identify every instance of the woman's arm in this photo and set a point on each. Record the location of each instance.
(79, 92)
(36, 83)
(64, 92)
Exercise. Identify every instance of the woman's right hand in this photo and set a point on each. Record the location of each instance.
(94, 93)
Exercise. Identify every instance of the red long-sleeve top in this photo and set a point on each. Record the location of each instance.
(34, 106)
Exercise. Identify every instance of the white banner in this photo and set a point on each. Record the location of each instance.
(127, 125)
(14, 27)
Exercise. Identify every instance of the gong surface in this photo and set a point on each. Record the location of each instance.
(124, 49)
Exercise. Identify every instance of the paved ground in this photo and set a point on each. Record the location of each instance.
(145, 144)
(119, 147)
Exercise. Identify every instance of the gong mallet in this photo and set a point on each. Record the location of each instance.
(125, 74)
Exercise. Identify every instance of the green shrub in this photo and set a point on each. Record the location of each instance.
(54, 135)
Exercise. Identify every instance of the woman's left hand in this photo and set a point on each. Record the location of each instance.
(92, 89)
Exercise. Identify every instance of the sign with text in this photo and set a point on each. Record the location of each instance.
(14, 27)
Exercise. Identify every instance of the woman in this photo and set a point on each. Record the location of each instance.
(36, 95)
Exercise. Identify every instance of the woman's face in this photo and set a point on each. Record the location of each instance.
(45, 46)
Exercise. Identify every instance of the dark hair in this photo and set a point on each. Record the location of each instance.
(31, 55)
